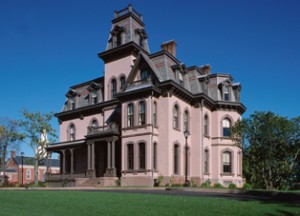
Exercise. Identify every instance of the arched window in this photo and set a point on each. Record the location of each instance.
(186, 120)
(155, 114)
(226, 123)
(130, 115)
(227, 162)
(175, 117)
(176, 159)
(142, 115)
(206, 126)
(142, 156)
(28, 174)
(122, 83)
(95, 123)
(72, 132)
(155, 156)
(94, 97)
(130, 157)
(113, 88)
(206, 161)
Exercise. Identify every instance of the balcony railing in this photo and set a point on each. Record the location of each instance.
(114, 128)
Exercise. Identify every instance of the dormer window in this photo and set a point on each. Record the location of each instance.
(94, 97)
(72, 103)
(142, 36)
(180, 79)
(117, 36)
(144, 74)
(226, 93)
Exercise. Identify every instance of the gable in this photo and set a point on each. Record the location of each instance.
(142, 65)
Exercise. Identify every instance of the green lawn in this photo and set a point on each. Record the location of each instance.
(56, 203)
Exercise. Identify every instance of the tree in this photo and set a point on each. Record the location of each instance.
(39, 133)
(271, 149)
(9, 139)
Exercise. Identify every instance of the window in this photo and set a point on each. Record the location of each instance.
(227, 162)
(142, 116)
(119, 39)
(155, 156)
(28, 174)
(94, 97)
(72, 103)
(206, 161)
(175, 117)
(226, 127)
(141, 40)
(95, 123)
(176, 159)
(72, 132)
(130, 157)
(155, 114)
(122, 83)
(225, 93)
(180, 79)
(113, 88)
(186, 120)
(206, 126)
(144, 74)
(130, 115)
(142, 161)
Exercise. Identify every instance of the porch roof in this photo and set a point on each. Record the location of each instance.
(62, 145)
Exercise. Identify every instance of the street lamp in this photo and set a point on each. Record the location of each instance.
(22, 155)
(186, 134)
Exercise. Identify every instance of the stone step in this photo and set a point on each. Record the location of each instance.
(87, 182)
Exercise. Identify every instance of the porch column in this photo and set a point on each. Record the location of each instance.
(88, 156)
(108, 154)
(63, 162)
(49, 162)
(113, 154)
(93, 156)
(72, 160)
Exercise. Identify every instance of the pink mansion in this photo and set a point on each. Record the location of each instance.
(149, 119)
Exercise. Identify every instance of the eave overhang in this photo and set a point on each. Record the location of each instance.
(122, 51)
(139, 93)
(63, 145)
(84, 111)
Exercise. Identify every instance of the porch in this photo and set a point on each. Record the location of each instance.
(96, 157)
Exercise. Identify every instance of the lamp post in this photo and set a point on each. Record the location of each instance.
(186, 134)
(22, 156)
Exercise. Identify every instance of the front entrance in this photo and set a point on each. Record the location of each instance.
(100, 158)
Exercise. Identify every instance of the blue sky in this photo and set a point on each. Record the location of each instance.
(47, 46)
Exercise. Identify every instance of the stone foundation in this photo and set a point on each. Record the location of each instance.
(137, 181)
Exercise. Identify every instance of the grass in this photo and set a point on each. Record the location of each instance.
(58, 203)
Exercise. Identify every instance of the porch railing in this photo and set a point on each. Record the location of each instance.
(91, 130)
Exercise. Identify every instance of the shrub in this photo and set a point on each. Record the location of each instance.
(232, 186)
(247, 186)
(206, 184)
(218, 185)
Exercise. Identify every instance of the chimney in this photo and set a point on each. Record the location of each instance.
(206, 69)
(13, 154)
(169, 46)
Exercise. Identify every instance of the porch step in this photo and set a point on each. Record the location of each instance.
(87, 182)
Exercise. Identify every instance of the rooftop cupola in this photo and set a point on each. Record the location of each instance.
(127, 26)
